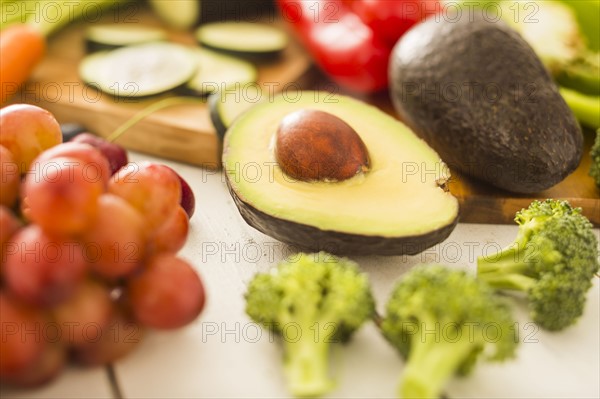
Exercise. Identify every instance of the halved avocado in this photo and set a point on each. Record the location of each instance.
(399, 205)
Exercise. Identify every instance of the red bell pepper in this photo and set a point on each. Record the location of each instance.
(351, 40)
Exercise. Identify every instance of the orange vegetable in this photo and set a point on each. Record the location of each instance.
(22, 47)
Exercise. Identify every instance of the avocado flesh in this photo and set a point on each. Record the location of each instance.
(396, 207)
(476, 91)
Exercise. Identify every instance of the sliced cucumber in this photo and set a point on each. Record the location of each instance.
(219, 72)
(111, 36)
(242, 38)
(139, 71)
(178, 14)
(225, 107)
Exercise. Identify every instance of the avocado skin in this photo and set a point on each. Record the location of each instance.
(444, 74)
(309, 238)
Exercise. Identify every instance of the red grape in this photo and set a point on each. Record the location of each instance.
(21, 337)
(118, 339)
(9, 178)
(116, 238)
(95, 164)
(114, 153)
(88, 311)
(41, 269)
(168, 294)
(188, 200)
(9, 225)
(171, 236)
(26, 131)
(47, 367)
(82, 207)
(60, 197)
(152, 189)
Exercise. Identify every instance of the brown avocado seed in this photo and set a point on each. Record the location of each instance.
(315, 145)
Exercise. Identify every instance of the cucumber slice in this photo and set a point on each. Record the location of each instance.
(112, 36)
(219, 72)
(224, 108)
(179, 14)
(242, 38)
(139, 71)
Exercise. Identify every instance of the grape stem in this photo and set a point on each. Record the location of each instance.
(157, 106)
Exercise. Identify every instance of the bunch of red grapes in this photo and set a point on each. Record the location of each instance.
(88, 249)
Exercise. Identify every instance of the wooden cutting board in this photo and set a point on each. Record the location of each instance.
(182, 133)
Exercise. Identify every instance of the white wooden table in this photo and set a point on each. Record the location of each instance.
(224, 355)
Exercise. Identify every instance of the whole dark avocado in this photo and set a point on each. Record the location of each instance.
(476, 91)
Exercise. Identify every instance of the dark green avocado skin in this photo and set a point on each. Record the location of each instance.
(477, 93)
(303, 237)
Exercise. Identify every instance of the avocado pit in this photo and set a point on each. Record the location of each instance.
(314, 145)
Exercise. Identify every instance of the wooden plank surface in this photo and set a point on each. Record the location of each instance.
(183, 133)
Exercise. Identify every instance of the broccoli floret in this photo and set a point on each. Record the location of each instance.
(552, 260)
(595, 154)
(311, 301)
(442, 320)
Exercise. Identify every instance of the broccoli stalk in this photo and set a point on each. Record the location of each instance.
(512, 268)
(442, 360)
(552, 261)
(306, 365)
(311, 301)
(442, 334)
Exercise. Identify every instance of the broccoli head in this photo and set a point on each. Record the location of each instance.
(552, 260)
(595, 154)
(442, 320)
(311, 301)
